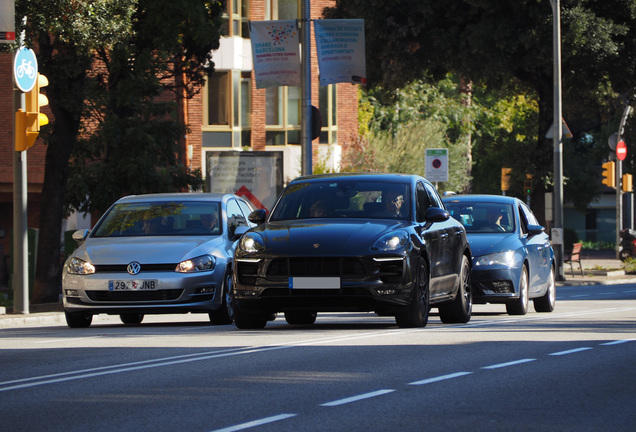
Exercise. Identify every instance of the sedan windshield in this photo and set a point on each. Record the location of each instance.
(344, 199)
(483, 217)
(160, 219)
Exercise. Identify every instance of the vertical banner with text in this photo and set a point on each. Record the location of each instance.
(275, 53)
(340, 46)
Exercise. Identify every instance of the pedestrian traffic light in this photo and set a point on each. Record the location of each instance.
(527, 185)
(627, 183)
(505, 179)
(609, 174)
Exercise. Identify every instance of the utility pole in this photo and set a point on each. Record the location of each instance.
(557, 141)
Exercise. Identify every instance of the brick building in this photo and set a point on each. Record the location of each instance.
(229, 114)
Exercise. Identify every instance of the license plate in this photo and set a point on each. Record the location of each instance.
(132, 285)
(314, 283)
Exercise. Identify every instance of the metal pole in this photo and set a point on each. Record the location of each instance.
(20, 280)
(557, 141)
(305, 40)
(619, 181)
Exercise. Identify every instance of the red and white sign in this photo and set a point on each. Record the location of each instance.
(621, 150)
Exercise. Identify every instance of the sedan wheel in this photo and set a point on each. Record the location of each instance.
(78, 320)
(225, 314)
(416, 314)
(520, 306)
(546, 302)
(131, 318)
(460, 310)
(300, 317)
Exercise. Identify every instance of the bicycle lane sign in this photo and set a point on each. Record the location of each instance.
(25, 69)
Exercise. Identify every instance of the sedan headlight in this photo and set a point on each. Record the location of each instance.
(202, 263)
(506, 258)
(251, 243)
(391, 242)
(79, 267)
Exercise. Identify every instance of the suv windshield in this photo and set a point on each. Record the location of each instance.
(160, 219)
(343, 199)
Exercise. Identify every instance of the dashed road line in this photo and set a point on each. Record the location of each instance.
(572, 351)
(440, 378)
(256, 423)
(357, 398)
(512, 363)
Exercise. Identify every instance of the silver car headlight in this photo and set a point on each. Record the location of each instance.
(391, 241)
(251, 243)
(79, 267)
(506, 258)
(202, 263)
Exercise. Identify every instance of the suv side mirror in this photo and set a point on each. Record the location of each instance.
(258, 216)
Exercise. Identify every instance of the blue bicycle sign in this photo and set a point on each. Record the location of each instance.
(25, 69)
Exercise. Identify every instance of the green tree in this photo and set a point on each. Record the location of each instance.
(145, 47)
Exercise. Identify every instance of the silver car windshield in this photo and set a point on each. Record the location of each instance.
(344, 199)
(160, 219)
(483, 217)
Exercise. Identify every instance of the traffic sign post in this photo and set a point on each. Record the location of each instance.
(437, 165)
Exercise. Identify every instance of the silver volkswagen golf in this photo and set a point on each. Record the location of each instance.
(154, 254)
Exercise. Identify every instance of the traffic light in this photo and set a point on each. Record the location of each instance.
(627, 183)
(527, 185)
(34, 118)
(505, 179)
(609, 174)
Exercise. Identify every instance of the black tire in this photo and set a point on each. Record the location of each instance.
(416, 314)
(546, 302)
(131, 318)
(78, 319)
(249, 321)
(461, 308)
(300, 317)
(225, 314)
(520, 305)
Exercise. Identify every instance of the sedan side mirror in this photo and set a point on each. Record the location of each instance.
(535, 229)
(436, 214)
(80, 235)
(258, 216)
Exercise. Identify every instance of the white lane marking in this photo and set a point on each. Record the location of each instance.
(512, 363)
(572, 351)
(616, 342)
(580, 295)
(440, 378)
(255, 423)
(357, 398)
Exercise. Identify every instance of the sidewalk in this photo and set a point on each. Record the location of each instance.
(599, 268)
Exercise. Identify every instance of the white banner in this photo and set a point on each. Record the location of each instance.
(275, 53)
(340, 46)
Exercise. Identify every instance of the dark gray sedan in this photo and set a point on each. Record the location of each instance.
(154, 254)
(353, 242)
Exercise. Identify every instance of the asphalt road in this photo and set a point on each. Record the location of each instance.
(570, 370)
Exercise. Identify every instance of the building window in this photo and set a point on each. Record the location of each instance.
(282, 9)
(237, 18)
(227, 106)
(282, 118)
(327, 104)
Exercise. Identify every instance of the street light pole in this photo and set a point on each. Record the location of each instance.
(557, 141)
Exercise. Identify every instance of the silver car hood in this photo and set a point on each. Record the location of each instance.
(146, 250)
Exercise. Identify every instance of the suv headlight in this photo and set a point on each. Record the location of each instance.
(391, 241)
(202, 263)
(251, 242)
(79, 267)
(506, 258)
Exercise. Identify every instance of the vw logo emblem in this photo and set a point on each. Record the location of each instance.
(134, 268)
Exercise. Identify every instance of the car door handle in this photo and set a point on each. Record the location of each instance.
(444, 236)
